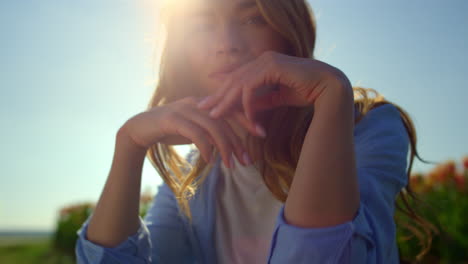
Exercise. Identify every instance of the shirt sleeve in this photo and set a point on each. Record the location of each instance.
(381, 147)
(161, 238)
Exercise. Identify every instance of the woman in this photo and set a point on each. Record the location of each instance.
(291, 168)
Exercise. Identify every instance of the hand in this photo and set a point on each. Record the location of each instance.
(298, 82)
(181, 122)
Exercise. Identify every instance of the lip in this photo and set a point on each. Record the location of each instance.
(223, 72)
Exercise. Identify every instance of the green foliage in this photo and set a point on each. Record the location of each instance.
(445, 205)
(71, 218)
(443, 190)
(33, 252)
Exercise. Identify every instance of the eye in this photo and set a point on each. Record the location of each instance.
(255, 20)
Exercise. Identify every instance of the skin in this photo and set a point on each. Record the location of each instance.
(302, 82)
(227, 38)
(223, 33)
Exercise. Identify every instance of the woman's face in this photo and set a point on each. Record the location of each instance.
(221, 35)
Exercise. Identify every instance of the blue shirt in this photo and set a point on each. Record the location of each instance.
(165, 235)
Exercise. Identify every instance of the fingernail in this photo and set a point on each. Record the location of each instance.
(203, 102)
(246, 158)
(260, 130)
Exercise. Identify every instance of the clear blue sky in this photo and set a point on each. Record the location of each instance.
(72, 72)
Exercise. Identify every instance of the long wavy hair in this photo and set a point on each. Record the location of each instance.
(294, 20)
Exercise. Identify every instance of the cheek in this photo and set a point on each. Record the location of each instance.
(267, 40)
(195, 67)
(195, 56)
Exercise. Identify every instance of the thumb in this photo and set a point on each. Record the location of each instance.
(241, 118)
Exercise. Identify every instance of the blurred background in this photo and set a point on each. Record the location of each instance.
(72, 72)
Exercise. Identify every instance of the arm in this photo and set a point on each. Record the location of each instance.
(159, 238)
(328, 142)
(116, 214)
(381, 147)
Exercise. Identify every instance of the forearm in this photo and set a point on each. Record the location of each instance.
(116, 214)
(324, 191)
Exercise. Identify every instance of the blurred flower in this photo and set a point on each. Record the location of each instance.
(450, 168)
(465, 162)
(460, 182)
(442, 172)
(417, 182)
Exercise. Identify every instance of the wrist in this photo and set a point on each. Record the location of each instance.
(335, 96)
(126, 143)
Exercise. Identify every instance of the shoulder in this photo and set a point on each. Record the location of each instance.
(382, 142)
(381, 137)
(384, 121)
(382, 111)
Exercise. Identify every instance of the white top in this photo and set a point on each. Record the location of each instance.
(246, 212)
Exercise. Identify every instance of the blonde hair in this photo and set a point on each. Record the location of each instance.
(293, 20)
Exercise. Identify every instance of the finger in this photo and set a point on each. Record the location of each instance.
(246, 78)
(231, 95)
(268, 101)
(235, 140)
(227, 102)
(213, 99)
(214, 130)
(192, 131)
(234, 77)
(247, 124)
(247, 98)
(255, 82)
(234, 94)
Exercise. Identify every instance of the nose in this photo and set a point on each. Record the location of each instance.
(228, 40)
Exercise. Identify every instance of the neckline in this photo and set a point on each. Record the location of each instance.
(248, 173)
(238, 166)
